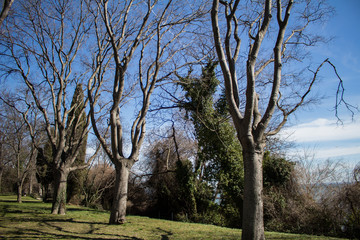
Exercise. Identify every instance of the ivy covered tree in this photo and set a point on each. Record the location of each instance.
(185, 193)
(219, 153)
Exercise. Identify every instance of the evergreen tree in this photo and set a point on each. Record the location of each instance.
(45, 170)
(171, 183)
(186, 188)
(75, 126)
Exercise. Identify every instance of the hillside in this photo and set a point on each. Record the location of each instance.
(31, 220)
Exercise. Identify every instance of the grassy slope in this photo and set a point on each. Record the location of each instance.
(31, 220)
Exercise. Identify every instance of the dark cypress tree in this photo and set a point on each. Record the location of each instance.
(75, 126)
(44, 170)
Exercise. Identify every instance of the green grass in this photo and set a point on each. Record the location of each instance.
(32, 220)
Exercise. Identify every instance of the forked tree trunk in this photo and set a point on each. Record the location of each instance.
(20, 185)
(118, 209)
(59, 198)
(253, 223)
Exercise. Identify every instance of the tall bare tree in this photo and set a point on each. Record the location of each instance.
(21, 149)
(40, 48)
(145, 34)
(262, 99)
(3, 139)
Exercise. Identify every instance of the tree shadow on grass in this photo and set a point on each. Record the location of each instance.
(23, 201)
(38, 234)
(37, 206)
(49, 229)
(166, 235)
(36, 222)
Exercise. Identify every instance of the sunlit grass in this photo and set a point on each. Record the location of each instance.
(32, 220)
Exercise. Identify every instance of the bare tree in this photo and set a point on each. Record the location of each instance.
(145, 34)
(262, 99)
(100, 177)
(318, 179)
(40, 51)
(21, 149)
(16, 143)
(3, 138)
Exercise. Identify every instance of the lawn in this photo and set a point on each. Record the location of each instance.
(32, 220)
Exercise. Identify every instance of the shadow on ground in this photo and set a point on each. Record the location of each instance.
(35, 222)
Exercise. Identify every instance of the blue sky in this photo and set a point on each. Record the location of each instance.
(317, 128)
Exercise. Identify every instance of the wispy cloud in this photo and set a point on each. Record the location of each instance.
(323, 130)
(337, 152)
(327, 140)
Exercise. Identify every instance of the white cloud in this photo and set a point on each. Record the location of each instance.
(323, 130)
(327, 140)
(337, 152)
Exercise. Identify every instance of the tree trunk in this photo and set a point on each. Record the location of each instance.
(19, 192)
(31, 183)
(253, 222)
(118, 209)
(59, 197)
(1, 173)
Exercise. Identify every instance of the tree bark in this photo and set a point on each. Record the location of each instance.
(19, 192)
(5, 10)
(1, 163)
(59, 198)
(31, 183)
(1, 173)
(253, 223)
(118, 209)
